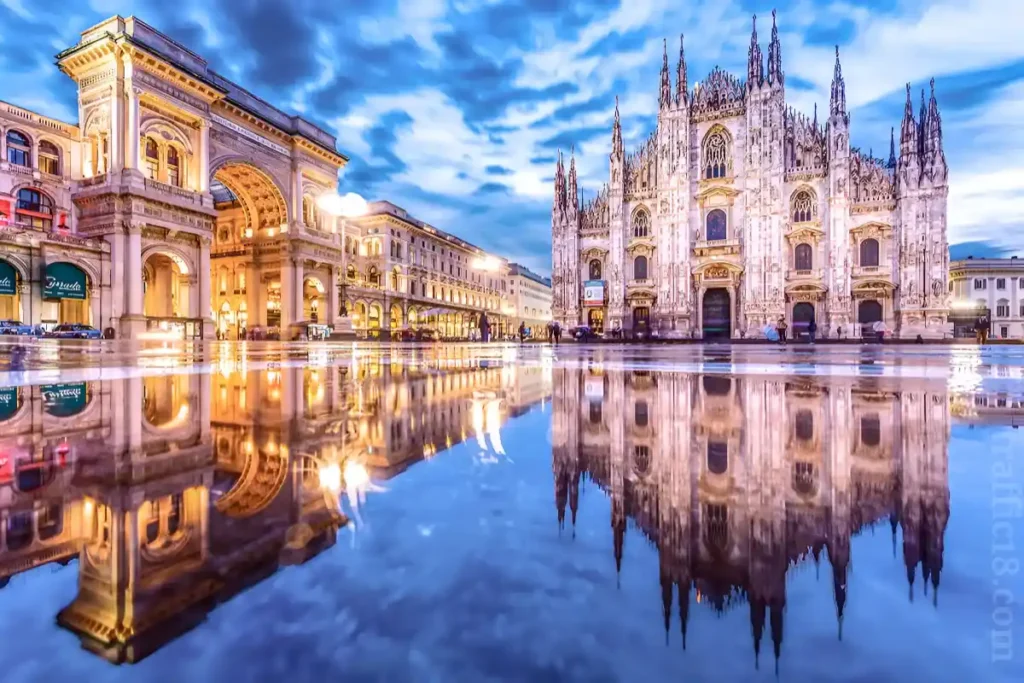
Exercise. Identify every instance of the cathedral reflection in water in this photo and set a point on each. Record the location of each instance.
(736, 480)
(176, 492)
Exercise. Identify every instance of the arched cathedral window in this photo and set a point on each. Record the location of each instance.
(716, 156)
(641, 224)
(803, 257)
(716, 225)
(595, 270)
(640, 268)
(803, 207)
(869, 253)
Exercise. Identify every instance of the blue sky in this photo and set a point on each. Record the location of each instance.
(455, 109)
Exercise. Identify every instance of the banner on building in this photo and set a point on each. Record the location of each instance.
(593, 293)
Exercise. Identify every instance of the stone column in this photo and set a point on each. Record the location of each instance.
(185, 303)
(133, 320)
(252, 294)
(203, 164)
(205, 302)
(287, 293)
(299, 277)
(333, 306)
(134, 134)
(133, 414)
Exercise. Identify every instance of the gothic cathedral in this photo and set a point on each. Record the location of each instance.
(739, 211)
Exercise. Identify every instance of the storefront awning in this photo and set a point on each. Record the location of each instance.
(64, 281)
(8, 278)
(64, 400)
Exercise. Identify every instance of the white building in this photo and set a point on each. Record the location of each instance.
(993, 287)
(738, 211)
(530, 297)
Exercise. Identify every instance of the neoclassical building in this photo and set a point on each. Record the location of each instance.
(738, 211)
(180, 199)
(737, 480)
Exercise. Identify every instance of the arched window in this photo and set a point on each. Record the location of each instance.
(716, 156)
(641, 224)
(19, 149)
(173, 166)
(869, 253)
(595, 270)
(640, 268)
(803, 257)
(394, 280)
(308, 211)
(152, 159)
(374, 276)
(35, 209)
(716, 225)
(49, 158)
(803, 207)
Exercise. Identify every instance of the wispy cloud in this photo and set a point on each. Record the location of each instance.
(455, 109)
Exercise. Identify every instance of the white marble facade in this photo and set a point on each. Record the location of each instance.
(738, 211)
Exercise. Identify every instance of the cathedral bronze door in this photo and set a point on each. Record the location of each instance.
(716, 314)
(641, 319)
(803, 314)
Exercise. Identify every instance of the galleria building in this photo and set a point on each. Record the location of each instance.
(181, 201)
(738, 211)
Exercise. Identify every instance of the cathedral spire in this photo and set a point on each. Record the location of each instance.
(755, 64)
(665, 98)
(908, 130)
(775, 56)
(559, 206)
(682, 88)
(933, 125)
(572, 192)
(837, 102)
(892, 147)
(814, 124)
(617, 132)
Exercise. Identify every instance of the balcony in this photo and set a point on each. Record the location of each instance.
(179, 193)
(718, 247)
(883, 272)
(813, 275)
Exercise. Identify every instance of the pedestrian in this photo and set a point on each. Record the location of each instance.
(812, 328)
(522, 332)
(781, 327)
(558, 332)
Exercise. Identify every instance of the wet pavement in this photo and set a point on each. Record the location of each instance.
(269, 511)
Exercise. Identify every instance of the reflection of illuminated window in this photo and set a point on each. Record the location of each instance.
(714, 385)
(595, 412)
(642, 459)
(870, 430)
(716, 527)
(174, 517)
(803, 478)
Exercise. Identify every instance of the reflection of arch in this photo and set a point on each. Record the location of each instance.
(257, 191)
(165, 402)
(262, 478)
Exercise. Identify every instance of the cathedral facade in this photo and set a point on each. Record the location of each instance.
(738, 211)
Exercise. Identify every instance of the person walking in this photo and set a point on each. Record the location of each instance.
(981, 329)
(522, 332)
(812, 328)
(781, 327)
(557, 331)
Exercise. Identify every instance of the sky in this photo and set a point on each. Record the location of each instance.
(456, 109)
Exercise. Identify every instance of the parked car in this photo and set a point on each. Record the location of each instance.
(74, 331)
(15, 327)
(427, 335)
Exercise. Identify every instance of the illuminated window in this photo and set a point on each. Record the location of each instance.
(173, 167)
(19, 149)
(49, 158)
(152, 159)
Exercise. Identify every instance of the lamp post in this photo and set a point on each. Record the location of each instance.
(350, 205)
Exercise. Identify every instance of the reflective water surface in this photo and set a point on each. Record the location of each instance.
(472, 514)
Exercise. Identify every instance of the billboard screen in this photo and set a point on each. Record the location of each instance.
(593, 293)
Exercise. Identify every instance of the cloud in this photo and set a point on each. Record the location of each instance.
(455, 109)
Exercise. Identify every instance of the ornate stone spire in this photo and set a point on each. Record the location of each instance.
(775, 56)
(755, 64)
(572, 192)
(933, 124)
(814, 123)
(559, 205)
(837, 102)
(892, 147)
(665, 98)
(920, 125)
(682, 88)
(908, 130)
(617, 148)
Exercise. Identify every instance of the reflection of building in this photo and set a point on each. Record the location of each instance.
(736, 479)
(404, 273)
(180, 200)
(991, 287)
(175, 492)
(737, 211)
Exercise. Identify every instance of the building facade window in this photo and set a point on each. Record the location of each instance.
(869, 253)
(980, 283)
(641, 224)
(19, 149)
(803, 207)
(1003, 309)
(49, 158)
(173, 167)
(595, 270)
(35, 209)
(1001, 283)
(716, 156)
(804, 257)
(715, 224)
(640, 268)
(152, 154)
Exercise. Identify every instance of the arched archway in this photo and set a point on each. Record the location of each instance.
(313, 299)
(66, 292)
(716, 314)
(166, 401)
(803, 314)
(166, 285)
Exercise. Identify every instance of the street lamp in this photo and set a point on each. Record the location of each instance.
(350, 205)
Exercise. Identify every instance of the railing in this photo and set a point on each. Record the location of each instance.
(97, 179)
(16, 169)
(32, 117)
(804, 274)
(641, 282)
(718, 244)
(187, 195)
(871, 271)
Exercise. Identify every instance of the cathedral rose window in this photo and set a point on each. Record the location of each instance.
(716, 229)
